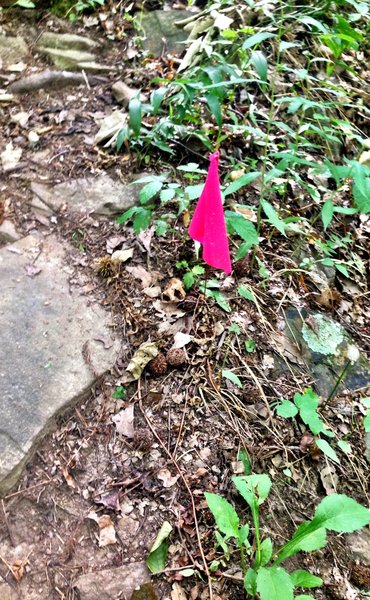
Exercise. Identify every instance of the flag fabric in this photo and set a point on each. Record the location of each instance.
(208, 223)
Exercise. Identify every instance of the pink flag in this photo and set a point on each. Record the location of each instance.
(208, 223)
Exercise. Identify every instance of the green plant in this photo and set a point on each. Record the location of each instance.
(306, 406)
(366, 403)
(264, 577)
(119, 392)
(192, 274)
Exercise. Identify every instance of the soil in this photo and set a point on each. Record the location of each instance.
(189, 424)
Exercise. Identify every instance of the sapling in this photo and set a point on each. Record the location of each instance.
(264, 577)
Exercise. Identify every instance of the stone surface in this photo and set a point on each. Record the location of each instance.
(367, 446)
(12, 50)
(7, 593)
(111, 584)
(359, 544)
(49, 352)
(100, 195)
(161, 33)
(66, 41)
(324, 346)
(8, 232)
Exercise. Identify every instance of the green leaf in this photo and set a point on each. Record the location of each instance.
(219, 298)
(327, 450)
(244, 228)
(215, 107)
(128, 214)
(327, 213)
(243, 535)
(250, 582)
(286, 409)
(257, 38)
(156, 98)
(194, 191)
(241, 182)
(134, 110)
(245, 292)
(232, 377)
(266, 551)
(341, 513)
(150, 190)
(344, 446)
(166, 195)
(224, 514)
(188, 280)
(260, 64)
(156, 560)
(361, 188)
(273, 217)
(313, 22)
(142, 220)
(304, 579)
(220, 539)
(308, 537)
(274, 583)
(367, 422)
(25, 4)
(342, 269)
(119, 392)
(253, 488)
(250, 345)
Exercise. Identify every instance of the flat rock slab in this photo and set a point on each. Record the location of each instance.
(100, 195)
(67, 41)
(110, 584)
(50, 353)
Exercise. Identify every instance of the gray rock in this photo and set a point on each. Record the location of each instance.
(122, 93)
(359, 544)
(101, 195)
(68, 59)
(50, 355)
(66, 41)
(52, 80)
(12, 49)
(110, 584)
(325, 347)
(161, 33)
(8, 232)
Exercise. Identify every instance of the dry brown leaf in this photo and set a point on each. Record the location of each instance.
(68, 477)
(174, 291)
(124, 421)
(107, 535)
(165, 476)
(145, 353)
(329, 479)
(140, 273)
(178, 593)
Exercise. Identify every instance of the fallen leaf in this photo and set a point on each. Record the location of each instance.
(152, 292)
(17, 568)
(178, 593)
(113, 242)
(145, 238)
(10, 157)
(124, 421)
(329, 479)
(145, 353)
(122, 255)
(107, 535)
(110, 126)
(167, 478)
(156, 560)
(68, 477)
(181, 339)
(110, 501)
(140, 273)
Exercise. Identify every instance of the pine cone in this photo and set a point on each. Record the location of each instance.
(241, 267)
(158, 366)
(176, 357)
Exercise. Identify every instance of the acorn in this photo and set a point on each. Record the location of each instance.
(158, 366)
(176, 357)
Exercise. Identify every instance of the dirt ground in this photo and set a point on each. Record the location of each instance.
(189, 425)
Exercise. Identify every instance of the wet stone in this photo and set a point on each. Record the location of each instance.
(50, 353)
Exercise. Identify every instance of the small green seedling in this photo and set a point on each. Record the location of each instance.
(119, 392)
(261, 563)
